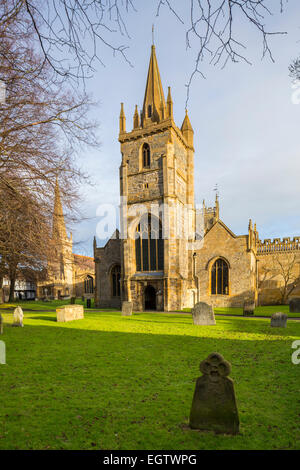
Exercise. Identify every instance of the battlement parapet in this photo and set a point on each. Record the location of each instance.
(277, 245)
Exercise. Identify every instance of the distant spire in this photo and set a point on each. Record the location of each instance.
(59, 231)
(153, 35)
(154, 101)
(122, 119)
(187, 129)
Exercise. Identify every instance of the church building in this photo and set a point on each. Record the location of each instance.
(67, 274)
(168, 254)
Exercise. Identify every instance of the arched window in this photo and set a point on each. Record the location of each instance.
(116, 281)
(146, 155)
(89, 285)
(149, 244)
(149, 110)
(219, 277)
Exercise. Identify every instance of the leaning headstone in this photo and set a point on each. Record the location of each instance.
(69, 313)
(214, 405)
(1, 324)
(248, 309)
(18, 316)
(279, 319)
(203, 314)
(294, 305)
(126, 308)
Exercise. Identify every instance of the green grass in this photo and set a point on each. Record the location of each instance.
(40, 304)
(113, 382)
(264, 311)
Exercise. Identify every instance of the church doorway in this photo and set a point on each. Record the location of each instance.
(150, 298)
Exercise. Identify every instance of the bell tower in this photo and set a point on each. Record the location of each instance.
(157, 201)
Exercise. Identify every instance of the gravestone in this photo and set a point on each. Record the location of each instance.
(203, 314)
(294, 305)
(1, 324)
(88, 303)
(279, 319)
(69, 313)
(126, 308)
(18, 317)
(248, 309)
(214, 405)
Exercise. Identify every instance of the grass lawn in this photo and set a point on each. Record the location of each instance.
(264, 311)
(40, 304)
(113, 382)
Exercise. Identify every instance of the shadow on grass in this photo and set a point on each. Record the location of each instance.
(133, 390)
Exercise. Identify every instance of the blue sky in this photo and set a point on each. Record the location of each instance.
(246, 125)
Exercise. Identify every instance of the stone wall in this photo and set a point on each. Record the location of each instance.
(105, 259)
(220, 242)
(273, 267)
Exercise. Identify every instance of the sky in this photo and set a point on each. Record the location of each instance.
(245, 120)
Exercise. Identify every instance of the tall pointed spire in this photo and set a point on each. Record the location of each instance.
(154, 107)
(59, 231)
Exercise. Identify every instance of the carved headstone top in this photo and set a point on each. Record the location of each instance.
(126, 308)
(294, 305)
(214, 405)
(279, 319)
(18, 316)
(203, 314)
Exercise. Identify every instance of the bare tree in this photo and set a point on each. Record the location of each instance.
(43, 123)
(283, 268)
(78, 30)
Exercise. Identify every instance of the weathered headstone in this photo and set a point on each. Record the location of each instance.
(203, 314)
(69, 313)
(18, 316)
(214, 405)
(248, 309)
(126, 308)
(294, 305)
(279, 319)
(1, 324)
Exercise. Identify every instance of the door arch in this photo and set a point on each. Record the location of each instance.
(150, 298)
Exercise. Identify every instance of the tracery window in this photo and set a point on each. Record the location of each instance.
(219, 277)
(116, 281)
(149, 244)
(89, 285)
(146, 155)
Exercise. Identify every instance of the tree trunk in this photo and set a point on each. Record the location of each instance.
(12, 278)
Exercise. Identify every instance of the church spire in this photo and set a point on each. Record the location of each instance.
(154, 107)
(59, 231)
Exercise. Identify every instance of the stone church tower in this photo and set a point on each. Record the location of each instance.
(157, 176)
(169, 255)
